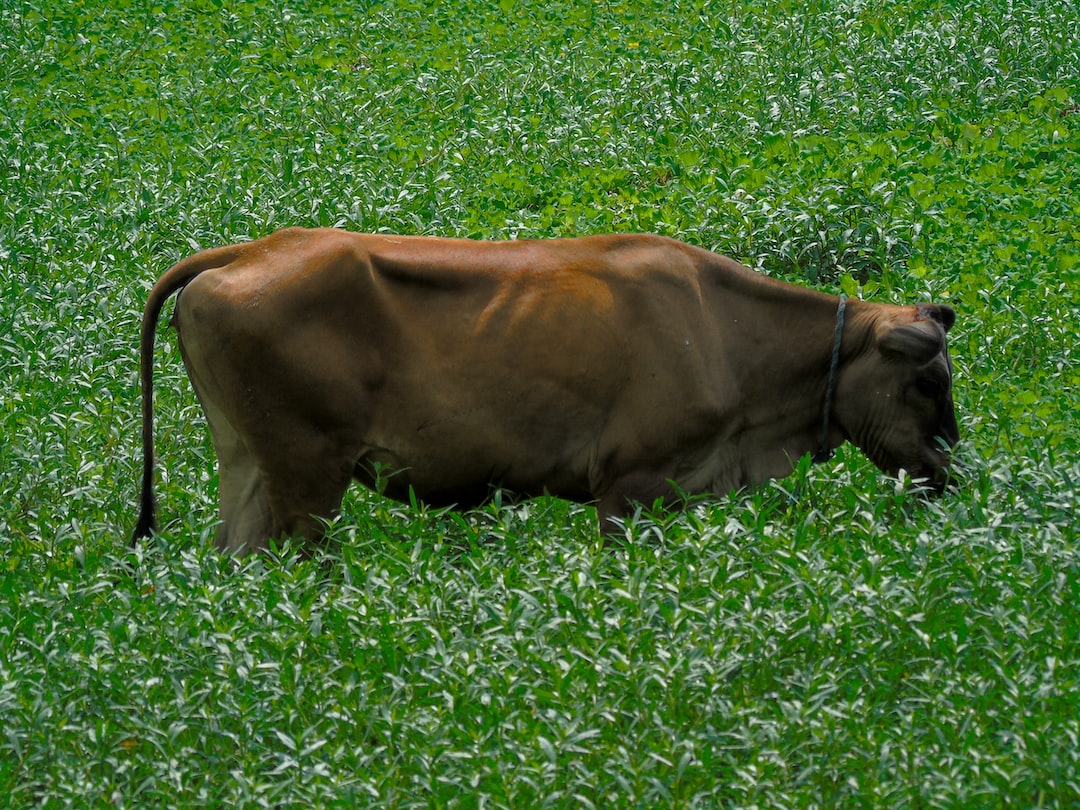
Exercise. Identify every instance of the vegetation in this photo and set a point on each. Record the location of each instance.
(829, 640)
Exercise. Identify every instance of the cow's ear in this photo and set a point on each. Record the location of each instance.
(918, 341)
(942, 313)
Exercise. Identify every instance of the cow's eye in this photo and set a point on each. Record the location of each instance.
(929, 387)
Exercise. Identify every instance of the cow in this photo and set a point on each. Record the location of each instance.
(608, 369)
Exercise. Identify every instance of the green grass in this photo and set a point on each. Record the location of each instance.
(829, 640)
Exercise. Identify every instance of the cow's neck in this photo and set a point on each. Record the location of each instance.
(781, 340)
(825, 449)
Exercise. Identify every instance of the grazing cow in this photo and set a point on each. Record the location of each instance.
(605, 369)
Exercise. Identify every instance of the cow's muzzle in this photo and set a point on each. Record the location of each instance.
(939, 474)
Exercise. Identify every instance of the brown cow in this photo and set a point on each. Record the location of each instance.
(605, 370)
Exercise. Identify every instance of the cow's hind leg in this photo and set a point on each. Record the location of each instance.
(247, 521)
(306, 483)
(274, 489)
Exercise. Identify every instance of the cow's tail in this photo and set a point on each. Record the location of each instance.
(175, 278)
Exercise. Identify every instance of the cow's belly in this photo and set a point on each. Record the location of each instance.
(466, 474)
(459, 454)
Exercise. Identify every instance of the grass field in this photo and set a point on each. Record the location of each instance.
(826, 641)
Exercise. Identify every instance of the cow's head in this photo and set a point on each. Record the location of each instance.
(894, 399)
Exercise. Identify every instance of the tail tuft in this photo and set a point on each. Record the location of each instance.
(147, 523)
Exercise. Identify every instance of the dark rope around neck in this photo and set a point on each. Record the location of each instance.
(825, 452)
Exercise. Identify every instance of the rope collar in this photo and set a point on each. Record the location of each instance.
(825, 452)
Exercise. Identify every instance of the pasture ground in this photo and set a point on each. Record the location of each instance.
(827, 641)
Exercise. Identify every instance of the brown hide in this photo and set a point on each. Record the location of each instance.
(604, 369)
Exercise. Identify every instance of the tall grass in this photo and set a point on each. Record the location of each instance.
(823, 641)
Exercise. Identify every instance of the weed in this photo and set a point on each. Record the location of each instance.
(825, 641)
